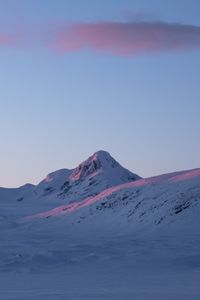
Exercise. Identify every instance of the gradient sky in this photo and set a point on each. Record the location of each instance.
(66, 92)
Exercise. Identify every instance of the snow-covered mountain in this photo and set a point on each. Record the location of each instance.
(97, 173)
(101, 187)
(144, 204)
(100, 216)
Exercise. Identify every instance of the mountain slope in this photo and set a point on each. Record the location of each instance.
(145, 203)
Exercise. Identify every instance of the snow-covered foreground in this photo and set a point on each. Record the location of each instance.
(118, 269)
(101, 232)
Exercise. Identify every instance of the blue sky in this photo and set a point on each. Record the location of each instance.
(58, 108)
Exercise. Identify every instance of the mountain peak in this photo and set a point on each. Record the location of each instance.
(99, 161)
(102, 153)
(96, 173)
(104, 156)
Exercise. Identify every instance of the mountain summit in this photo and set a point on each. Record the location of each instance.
(102, 162)
(98, 172)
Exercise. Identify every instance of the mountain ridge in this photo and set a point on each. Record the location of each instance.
(99, 184)
(98, 172)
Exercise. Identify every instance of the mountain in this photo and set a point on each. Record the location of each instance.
(101, 187)
(144, 204)
(101, 232)
(98, 172)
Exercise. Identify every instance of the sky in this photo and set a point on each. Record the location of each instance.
(78, 76)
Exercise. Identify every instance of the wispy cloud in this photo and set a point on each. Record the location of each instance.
(127, 38)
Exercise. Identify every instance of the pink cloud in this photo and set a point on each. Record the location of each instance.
(6, 40)
(127, 38)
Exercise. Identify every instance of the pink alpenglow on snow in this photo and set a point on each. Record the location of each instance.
(162, 179)
(186, 175)
(63, 209)
(127, 38)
